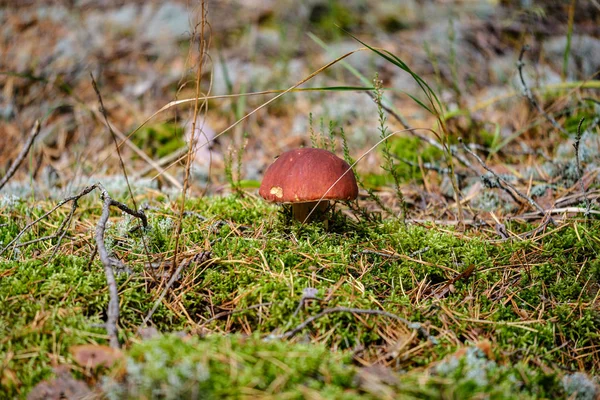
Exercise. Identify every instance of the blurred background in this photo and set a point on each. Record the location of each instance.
(143, 56)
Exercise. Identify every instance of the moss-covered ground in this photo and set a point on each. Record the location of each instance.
(488, 318)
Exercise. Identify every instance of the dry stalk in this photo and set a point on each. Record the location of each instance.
(202, 257)
(424, 138)
(202, 53)
(15, 165)
(412, 325)
(122, 164)
(529, 94)
(504, 184)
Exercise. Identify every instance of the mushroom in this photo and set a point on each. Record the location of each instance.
(308, 178)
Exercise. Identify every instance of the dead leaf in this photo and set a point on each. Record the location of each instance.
(93, 356)
(485, 346)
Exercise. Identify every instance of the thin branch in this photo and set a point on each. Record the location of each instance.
(504, 184)
(572, 210)
(107, 261)
(112, 317)
(203, 257)
(530, 96)
(303, 325)
(85, 191)
(588, 205)
(231, 312)
(111, 262)
(35, 131)
(307, 294)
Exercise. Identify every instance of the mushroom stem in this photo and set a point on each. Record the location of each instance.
(300, 211)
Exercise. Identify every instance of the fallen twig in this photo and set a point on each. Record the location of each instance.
(503, 183)
(110, 262)
(112, 317)
(307, 294)
(231, 312)
(201, 257)
(107, 261)
(567, 210)
(575, 198)
(35, 131)
(411, 325)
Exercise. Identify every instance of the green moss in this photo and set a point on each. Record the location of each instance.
(533, 300)
(233, 366)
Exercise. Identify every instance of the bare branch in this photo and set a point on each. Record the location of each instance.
(503, 183)
(107, 261)
(201, 257)
(303, 325)
(15, 165)
(111, 262)
(529, 94)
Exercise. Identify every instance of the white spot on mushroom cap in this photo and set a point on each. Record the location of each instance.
(277, 191)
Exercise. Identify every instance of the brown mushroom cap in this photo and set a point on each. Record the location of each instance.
(305, 175)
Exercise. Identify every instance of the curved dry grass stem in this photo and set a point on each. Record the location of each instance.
(122, 164)
(411, 325)
(203, 98)
(202, 51)
(356, 162)
(529, 94)
(15, 165)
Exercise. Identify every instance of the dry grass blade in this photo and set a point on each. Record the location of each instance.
(125, 139)
(350, 170)
(203, 44)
